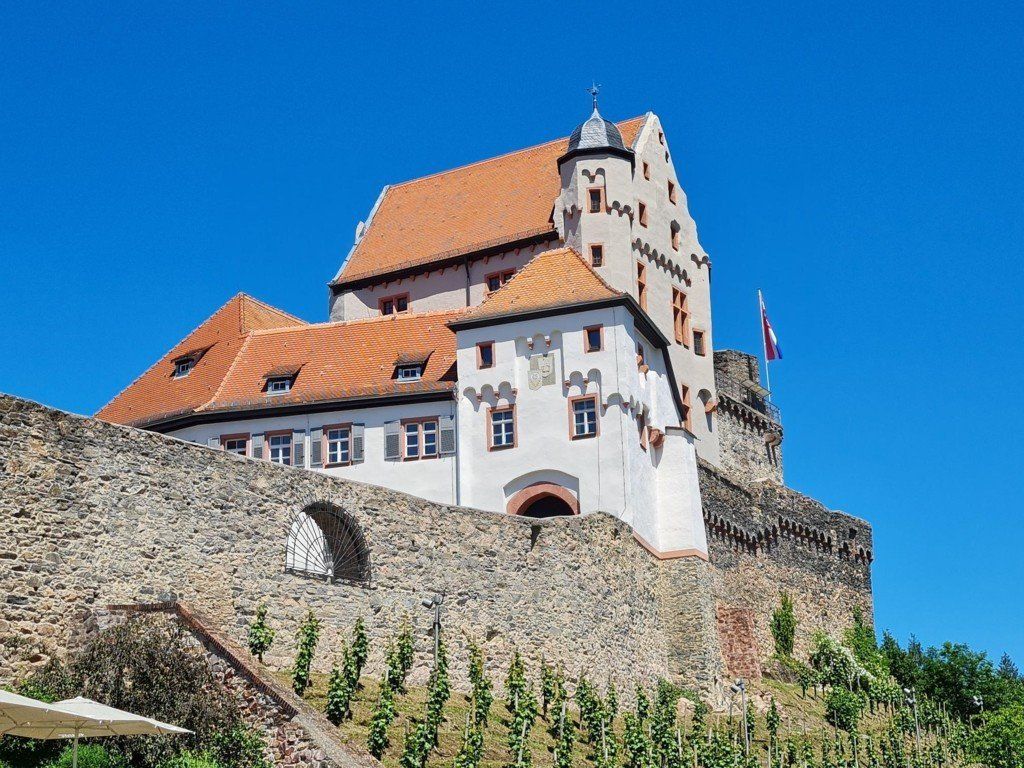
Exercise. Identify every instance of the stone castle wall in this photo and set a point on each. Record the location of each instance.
(93, 514)
(747, 431)
(765, 539)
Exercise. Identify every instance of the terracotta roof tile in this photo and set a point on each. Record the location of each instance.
(219, 339)
(550, 280)
(342, 360)
(476, 206)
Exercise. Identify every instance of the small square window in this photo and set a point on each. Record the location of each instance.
(236, 445)
(596, 197)
(676, 236)
(410, 372)
(503, 428)
(647, 171)
(279, 385)
(672, 193)
(698, 343)
(392, 305)
(421, 440)
(339, 445)
(597, 255)
(642, 214)
(485, 354)
(594, 338)
(495, 280)
(280, 448)
(183, 367)
(584, 418)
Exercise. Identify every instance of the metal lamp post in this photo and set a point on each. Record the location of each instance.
(912, 702)
(435, 603)
(740, 687)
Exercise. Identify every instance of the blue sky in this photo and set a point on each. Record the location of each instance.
(861, 163)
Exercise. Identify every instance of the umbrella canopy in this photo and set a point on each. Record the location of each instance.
(22, 716)
(95, 719)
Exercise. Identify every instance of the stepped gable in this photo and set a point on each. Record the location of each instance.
(214, 344)
(338, 361)
(488, 203)
(551, 280)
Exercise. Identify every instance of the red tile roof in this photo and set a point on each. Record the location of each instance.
(157, 392)
(331, 361)
(550, 280)
(477, 206)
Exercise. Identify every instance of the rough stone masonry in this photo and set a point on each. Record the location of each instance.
(93, 514)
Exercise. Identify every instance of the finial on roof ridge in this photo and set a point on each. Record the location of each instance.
(593, 90)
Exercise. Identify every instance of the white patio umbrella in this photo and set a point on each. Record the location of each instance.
(22, 713)
(84, 718)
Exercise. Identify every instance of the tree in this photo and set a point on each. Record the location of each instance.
(260, 636)
(1007, 669)
(954, 674)
(783, 626)
(999, 742)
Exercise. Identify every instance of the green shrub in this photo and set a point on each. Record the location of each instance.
(89, 756)
(843, 708)
(783, 626)
(261, 636)
(239, 747)
(308, 637)
(192, 760)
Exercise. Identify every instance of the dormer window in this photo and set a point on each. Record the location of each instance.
(279, 385)
(183, 367)
(410, 372)
(495, 280)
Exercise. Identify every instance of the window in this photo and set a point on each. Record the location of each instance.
(641, 425)
(684, 395)
(661, 137)
(642, 214)
(647, 171)
(420, 439)
(676, 236)
(671, 192)
(596, 197)
(339, 445)
(280, 448)
(279, 385)
(237, 444)
(597, 255)
(640, 358)
(326, 543)
(641, 285)
(698, 343)
(410, 372)
(485, 354)
(392, 305)
(680, 316)
(584, 417)
(495, 280)
(594, 338)
(503, 428)
(183, 367)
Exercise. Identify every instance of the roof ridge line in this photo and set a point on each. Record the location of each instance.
(498, 157)
(159, 360)
(248, 297)
(358, 321)
(227, 373)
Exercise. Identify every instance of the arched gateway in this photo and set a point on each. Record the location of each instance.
(543, 500)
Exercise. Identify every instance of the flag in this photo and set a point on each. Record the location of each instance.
(772, 350)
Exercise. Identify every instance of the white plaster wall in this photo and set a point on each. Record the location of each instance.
(436, 290)
(433, 479)
(610, 473)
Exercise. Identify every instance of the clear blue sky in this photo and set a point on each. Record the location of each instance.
(863, 165)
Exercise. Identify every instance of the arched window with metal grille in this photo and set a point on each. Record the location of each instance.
(326, 542)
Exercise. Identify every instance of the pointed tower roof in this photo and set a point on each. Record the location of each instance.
(596, 135)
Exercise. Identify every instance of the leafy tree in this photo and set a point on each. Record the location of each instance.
(999, 742)
(783, 626)
(308, 637)
(904, 665)
(954, 674)
(1007, 669)
(260, 635)
(860, 638)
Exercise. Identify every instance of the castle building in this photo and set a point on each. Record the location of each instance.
(529, 334)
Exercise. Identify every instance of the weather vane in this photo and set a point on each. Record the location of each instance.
(593, 90)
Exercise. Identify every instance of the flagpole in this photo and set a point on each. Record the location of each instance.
(764, 343)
